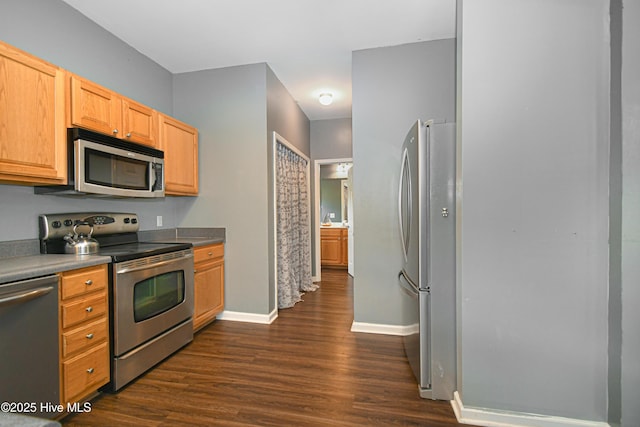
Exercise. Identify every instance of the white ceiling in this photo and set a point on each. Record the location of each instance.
(307, 43)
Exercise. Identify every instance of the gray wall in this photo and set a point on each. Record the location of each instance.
(614, 369)
(534, 147)
(392, 88)
(331, 139)
(285, 116)
(52, 30)
(631, 214)
(229, 108)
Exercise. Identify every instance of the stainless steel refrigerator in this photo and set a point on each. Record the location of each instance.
(426, 203)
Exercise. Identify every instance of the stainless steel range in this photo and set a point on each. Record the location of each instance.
(150, 288)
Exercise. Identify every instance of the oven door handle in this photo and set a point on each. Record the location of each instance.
(153, 265)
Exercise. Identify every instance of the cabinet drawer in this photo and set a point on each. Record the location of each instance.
(89, 370)
(205, 253)
(330, 232)
(85, 280)
(84, 309)
(84, 337)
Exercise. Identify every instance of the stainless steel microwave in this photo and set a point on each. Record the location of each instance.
(106, 166)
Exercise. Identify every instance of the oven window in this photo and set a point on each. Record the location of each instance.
(157, 294)
(110, 170)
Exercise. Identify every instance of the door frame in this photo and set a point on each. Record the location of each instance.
(316, 209)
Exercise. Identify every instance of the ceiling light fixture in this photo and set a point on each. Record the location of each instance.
(325, 98)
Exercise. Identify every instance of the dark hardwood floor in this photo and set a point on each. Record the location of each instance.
(305, 369)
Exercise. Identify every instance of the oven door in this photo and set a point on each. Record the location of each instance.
(150, 296)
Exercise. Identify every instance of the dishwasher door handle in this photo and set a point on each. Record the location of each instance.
(22, 297)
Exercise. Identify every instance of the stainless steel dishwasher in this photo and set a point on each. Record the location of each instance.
(29, 361)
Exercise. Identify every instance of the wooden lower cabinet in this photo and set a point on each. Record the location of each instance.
(84, 373)
(333, 247)
(208, 284)
(84, 333)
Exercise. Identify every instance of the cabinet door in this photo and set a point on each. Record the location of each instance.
(179, 142)
(139, 123)
(208, 292)
(330, 247)
(344, 247)
(32, 128)
(94, 107)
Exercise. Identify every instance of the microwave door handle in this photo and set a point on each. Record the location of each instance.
(154, 187)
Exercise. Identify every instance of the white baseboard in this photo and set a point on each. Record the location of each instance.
(237, 316)
(376, 328)
(494, 418)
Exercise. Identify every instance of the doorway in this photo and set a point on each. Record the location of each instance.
(342, 210)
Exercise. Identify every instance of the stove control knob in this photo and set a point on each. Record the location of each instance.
(134, 221)
(68, 222)
(56, 224)
(127, 220)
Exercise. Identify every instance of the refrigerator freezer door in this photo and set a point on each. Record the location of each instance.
(417, 343)
(424, 381)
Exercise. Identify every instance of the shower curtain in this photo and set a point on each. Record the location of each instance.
(293, 227)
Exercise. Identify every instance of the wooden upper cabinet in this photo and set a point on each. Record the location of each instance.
(140, 123)
(179, 141)
(32, 126)
(94, 107)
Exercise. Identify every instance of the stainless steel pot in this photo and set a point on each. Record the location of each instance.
(79, 244)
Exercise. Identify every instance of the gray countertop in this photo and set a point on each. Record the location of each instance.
(28, 267)
(195, 236)
(195, 241)
(20, 260)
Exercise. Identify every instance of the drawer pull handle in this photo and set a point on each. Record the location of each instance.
(89, 336)
(210, 253)
(129, 135)
(90, 370)
(195, 271)
(89, 282)
(89, 309)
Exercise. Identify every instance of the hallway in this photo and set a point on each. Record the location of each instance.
(305, 369)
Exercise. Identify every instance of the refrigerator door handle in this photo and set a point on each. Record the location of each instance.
(405, 210)
(407, 285)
